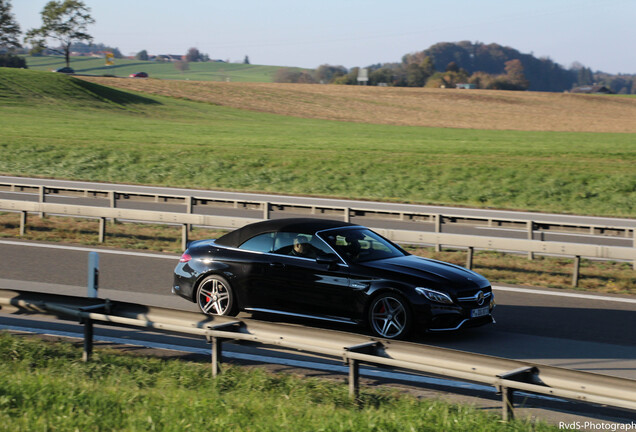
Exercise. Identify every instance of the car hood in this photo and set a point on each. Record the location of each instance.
(430, 273)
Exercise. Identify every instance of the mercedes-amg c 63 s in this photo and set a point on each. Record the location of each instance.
(330, 270)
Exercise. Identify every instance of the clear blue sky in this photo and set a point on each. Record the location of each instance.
(599, 34)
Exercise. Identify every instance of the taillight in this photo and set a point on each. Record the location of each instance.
(185, 258)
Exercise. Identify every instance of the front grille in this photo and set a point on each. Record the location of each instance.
(478, 297)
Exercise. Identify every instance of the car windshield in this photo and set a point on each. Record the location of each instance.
(360, 244)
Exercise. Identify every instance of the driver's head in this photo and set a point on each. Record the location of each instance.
(300, 245)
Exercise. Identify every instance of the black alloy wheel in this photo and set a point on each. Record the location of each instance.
(390, 316)
(215, 296)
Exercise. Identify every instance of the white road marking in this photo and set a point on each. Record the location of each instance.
(565, 294)
(89, 249)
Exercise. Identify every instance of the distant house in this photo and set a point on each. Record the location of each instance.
(466, 86)
(592, 89)
(169, 57)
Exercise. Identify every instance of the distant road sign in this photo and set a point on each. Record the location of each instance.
(363, 75)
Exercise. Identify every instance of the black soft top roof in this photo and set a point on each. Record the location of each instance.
(297, 225)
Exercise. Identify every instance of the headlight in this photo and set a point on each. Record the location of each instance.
(435, 296)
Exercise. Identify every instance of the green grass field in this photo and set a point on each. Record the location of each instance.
(58, 126)
(45, 387)
(207, 71)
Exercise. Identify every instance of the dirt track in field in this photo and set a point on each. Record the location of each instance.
(450, 108)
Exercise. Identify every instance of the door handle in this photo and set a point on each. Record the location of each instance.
(276, 265)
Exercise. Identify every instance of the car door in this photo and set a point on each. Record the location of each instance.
(300, 284)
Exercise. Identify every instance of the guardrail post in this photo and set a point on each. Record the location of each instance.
(184, 236)
(217, 353)
(634, 265)
(93, 274)
(23, 222)
(575, 276)
(354, 378)
(354, 365)
(88, 339)
(438, 229)
(217, 343)
(265, 206)
(42, 198)
(102, 229)
(112, 199)
(189, 205)
(530, 226)
(347, 215)
(507, 400)
(469, 258)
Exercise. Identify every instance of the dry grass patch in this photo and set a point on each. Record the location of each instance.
(447, 108)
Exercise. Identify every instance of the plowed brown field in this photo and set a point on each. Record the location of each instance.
(449, 108)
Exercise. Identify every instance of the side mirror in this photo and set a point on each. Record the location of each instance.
(328, 259)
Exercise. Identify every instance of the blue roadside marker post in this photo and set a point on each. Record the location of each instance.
(93, 286)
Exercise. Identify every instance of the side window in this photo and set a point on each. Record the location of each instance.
(260, 243)
(300, 245)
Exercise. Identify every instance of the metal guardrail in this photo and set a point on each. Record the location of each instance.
(508, 376)
(190, 202)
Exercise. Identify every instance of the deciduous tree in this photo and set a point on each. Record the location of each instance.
(193, 55)
(63, 22)
(9, 28)
(142, 55)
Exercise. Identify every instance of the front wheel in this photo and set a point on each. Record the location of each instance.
(215, 296)
(390, 316)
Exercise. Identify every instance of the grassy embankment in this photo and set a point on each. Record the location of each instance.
(208, 71)
(57, 126)
(46, 387)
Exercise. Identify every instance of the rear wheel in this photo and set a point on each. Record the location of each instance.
(216, 297)
(390, 316)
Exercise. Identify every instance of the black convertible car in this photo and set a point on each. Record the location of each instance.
(334, 271)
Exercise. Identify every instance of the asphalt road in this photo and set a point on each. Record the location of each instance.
(560, 328)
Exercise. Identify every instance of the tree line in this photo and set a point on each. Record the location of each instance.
(486, 66)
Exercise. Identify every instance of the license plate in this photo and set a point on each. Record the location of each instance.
(475, 313)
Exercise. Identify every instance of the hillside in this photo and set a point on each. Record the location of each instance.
(23, 86)
(205, 71)
(446, 108)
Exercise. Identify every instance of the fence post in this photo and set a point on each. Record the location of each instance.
(469, 258)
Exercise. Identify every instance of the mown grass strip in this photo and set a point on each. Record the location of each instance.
(44, 386)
